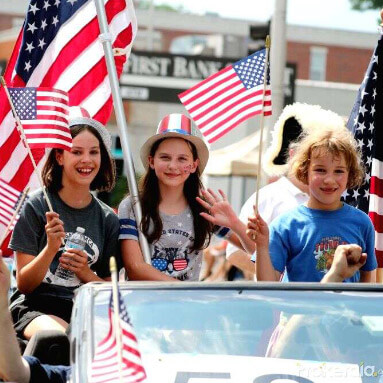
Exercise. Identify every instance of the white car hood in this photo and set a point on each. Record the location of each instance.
(180, 368)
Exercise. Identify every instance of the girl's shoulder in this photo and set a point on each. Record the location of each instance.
(126, 205)
(107, 211)
(295, 213)
(36, 200)
(358, 214)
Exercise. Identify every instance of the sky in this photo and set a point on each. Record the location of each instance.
(317, 13)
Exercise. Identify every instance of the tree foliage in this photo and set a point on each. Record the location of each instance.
(364, 5)
(145, 4)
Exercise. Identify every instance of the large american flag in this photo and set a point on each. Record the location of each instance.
(43, 113)
(9, 200)
(105, 365)
(229, 97)
(366, 121)
(58, 47)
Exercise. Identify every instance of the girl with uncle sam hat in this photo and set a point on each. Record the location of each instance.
(45, 290)
(176, 221)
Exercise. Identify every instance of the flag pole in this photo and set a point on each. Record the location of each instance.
(116, 316)
(262, 123)
(15, 213)
(25, 141)
(105, 38)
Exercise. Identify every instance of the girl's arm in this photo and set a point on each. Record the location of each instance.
(12, 366)
(221, 213)
(258, 231)
(31, 269)
(136, 267)
(348, 259)
(368, 276)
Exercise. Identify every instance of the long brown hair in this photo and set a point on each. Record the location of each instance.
(150, 200)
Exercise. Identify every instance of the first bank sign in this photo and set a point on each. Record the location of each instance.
(149, 76)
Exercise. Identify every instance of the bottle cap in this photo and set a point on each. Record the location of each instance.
(80, 229)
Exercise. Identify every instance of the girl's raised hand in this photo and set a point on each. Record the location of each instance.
(55, 231)
(219, 209)
(257, 230)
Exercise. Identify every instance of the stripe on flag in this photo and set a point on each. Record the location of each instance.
(65, 54)
(43, 113)
(105, 365)
(229, 97)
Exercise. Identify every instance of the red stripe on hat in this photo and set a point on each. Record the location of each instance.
(164, 124)
(185, 124)
(84, 112)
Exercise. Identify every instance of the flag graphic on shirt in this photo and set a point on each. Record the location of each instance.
(366, 122)
(43, 113)
(227, 98)
(9, 199)
(59, 47)
(105, 365)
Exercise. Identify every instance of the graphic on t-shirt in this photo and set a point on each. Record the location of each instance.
(324, 252)
(170, 259)
(69, 279)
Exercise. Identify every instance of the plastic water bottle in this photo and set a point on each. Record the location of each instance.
(75, 241)
(11, 267)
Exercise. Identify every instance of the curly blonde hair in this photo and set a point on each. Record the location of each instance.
(335, 142)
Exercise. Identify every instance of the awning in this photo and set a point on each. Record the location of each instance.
(238, 159)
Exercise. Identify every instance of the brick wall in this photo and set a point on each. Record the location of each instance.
(344, 64)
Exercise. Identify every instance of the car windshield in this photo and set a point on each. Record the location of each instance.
(303, 325)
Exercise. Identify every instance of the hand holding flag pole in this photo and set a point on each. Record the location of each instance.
(14, 216)
(25, 142)
(262, 122)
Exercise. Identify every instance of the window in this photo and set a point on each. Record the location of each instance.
(318, 60)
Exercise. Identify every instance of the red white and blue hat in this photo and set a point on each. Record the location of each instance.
(179, 126)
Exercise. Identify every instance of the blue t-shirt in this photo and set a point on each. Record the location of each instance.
(46, 373)
(304, 241)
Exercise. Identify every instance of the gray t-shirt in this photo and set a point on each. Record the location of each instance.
(101, 232)
(171, 253)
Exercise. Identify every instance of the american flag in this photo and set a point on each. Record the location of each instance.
(9, 199)
(229, 97)
(59, 47)
(105, 365)
(43, 113)
(366, 121)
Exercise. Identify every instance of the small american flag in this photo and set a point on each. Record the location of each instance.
(366, 121)
(229, 97)
(9, 199)
(105, 365)
(43, 113)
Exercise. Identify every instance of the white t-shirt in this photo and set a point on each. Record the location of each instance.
(274, 199)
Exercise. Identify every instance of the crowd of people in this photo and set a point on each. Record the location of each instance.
(300, 230)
